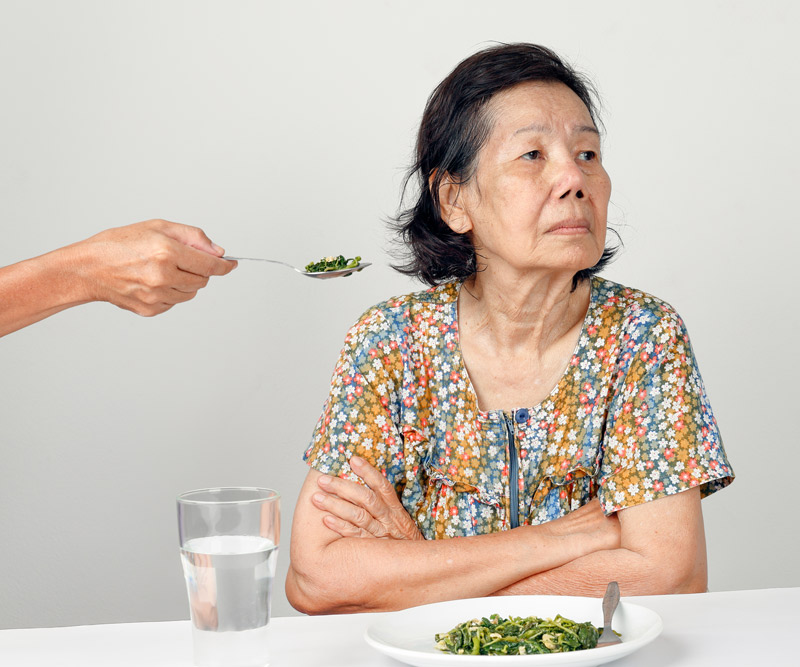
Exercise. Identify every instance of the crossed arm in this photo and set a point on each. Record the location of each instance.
(354, 548)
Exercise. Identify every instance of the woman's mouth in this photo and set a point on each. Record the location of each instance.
(568, 227)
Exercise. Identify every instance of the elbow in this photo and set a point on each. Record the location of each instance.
(302, 596)
(688, 573)
(310, 596)
(676, 582)
(314, 595)
(692, 578)
(307, 597)
(685, 576)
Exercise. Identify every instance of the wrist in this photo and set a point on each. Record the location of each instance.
(545, 548)
(67, 273)
(567, 544)
(36, 288)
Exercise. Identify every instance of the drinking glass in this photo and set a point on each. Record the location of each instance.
(229, 547)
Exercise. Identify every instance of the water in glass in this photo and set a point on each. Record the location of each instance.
(229, 582)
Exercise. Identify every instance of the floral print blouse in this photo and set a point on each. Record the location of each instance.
(629, 420)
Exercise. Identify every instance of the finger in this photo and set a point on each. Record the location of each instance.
(149, 301)
(353, 492)
(171, 277)
(188, 235)
(147, 309)
(390, 518)
(347, 511)
(161, 272)
(201, 263)
(387, 507)
(374, 479)
(190, 284)
(344, 528)
(180, 296)
(164, 297)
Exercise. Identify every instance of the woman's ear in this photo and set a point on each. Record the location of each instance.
(450, 204)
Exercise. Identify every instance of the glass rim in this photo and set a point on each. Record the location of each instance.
(182, 498)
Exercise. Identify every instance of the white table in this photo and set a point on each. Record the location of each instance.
(757, 628)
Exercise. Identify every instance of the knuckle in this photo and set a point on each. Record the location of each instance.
(156, 224)
(157, 276)
(149, 298)
(385, 486)
(370, 498)
(361, 516)
(162, 253)
(151, 310)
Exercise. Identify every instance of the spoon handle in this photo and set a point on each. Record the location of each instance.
(259, 259)
(610, 602)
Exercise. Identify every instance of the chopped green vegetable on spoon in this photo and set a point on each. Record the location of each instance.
(333, 263)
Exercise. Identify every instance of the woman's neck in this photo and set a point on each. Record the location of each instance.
(522, 313)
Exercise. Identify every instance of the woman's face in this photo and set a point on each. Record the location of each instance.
(539, 197)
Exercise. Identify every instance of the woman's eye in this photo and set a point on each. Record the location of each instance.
(532, 155)
(587, 156)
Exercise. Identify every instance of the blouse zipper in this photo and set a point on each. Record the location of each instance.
(513, 473)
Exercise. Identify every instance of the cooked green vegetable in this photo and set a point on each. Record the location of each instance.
(517, 636)
(332, 263)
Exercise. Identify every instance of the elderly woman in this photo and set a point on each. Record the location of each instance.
(554, 421)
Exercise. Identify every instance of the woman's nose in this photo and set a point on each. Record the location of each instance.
(569, 180)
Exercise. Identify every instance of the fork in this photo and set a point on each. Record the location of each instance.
(610, 601)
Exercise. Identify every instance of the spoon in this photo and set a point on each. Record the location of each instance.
(610, 602)
(323, 275)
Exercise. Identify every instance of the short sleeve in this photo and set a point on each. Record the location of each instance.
(360, 415)
(661, 436)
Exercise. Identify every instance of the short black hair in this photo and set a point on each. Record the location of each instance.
(453, 129)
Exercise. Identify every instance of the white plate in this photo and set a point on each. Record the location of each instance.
(407, 635)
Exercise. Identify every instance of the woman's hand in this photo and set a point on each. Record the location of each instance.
(355, 510)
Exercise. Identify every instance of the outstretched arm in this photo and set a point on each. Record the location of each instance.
(332, 573)
(662, 550)
(146, 268)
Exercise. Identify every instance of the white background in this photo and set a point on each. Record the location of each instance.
(283, 130)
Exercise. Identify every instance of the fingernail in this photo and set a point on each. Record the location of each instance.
(318, 498)
(357, 460)
(221, 251)
(325, 480)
